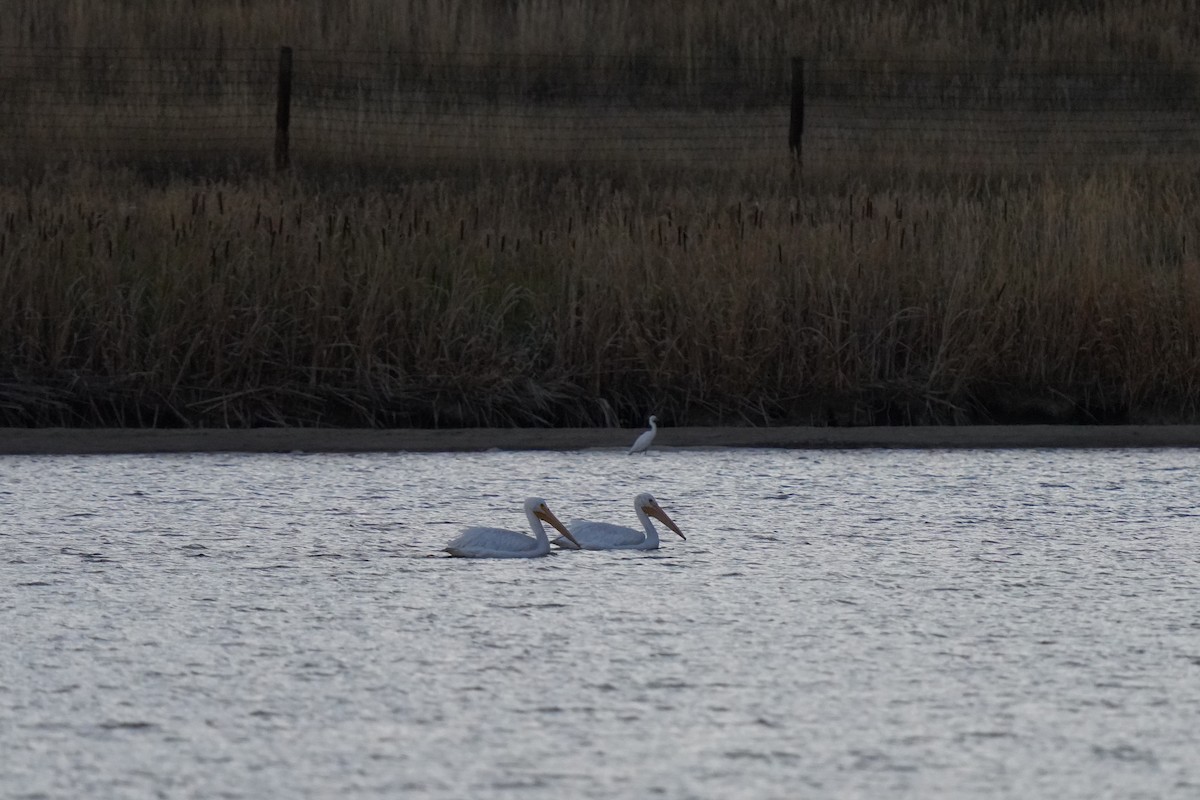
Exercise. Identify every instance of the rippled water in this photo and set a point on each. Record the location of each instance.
(959, 624)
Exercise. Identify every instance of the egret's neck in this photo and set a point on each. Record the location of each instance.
(651, 531)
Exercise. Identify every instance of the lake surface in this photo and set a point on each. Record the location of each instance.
(966, 624)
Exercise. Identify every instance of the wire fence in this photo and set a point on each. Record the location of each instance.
(413, 111)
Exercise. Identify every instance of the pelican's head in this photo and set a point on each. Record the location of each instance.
(536, 507)
(646, 503)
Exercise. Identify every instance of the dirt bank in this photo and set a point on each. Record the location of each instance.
(283, 440)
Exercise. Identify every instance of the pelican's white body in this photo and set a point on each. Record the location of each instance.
(606, 536)
(500, 543)
(642, 443)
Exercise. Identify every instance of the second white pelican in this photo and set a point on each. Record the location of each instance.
(642, 443)
(606, 536)
(501, 543)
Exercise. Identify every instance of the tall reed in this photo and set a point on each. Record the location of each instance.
(581, 301)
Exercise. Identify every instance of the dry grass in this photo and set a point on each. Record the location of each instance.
(684, 48)
(731, 31)
(446, 82)
(584, 302)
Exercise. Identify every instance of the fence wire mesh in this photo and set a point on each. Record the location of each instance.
(413, 110)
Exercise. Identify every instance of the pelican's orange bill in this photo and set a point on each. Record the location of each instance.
(660, 515)
(546, 515)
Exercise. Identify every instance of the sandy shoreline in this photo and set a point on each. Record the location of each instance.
(25, 441)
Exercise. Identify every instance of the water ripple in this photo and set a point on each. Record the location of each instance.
(971, 624)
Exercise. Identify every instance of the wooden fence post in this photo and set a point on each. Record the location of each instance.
(796, 126)
(283, 109)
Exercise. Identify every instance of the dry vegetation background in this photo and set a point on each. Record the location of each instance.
(733, 30)
(565, 297)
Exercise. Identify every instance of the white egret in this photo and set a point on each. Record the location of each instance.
(501, 543)
(606, 536)
(642, 443)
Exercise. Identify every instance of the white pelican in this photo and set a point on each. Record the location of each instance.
(605, 536)
(501, 543)
(643, 442)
